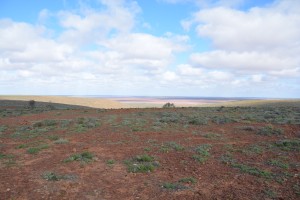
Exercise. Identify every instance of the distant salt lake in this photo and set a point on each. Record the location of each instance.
(184, 101)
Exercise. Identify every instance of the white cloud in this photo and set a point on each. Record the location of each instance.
(141, 45)
(102, 51)
(187, 70)
(258, 41)
(220, 76)
(257, 78)
(118, 57)
(254, 29)
(21, 42)
(169, 76)
(209, 3)
(88, 25)
(244, 61)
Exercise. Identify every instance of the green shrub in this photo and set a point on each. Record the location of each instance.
(175, 146)
(227, 158)
(269, 130)
(270, 193)
(169, 105)
(252, 170)
(202, 153)
(84, 123)
(144, 158)
(53, 137)
(50, 122)
(288, 145)
(296, 189)
(83, 157)
(21, 146)
(253, 149)
(212, 135)
(33, 150)
(110, 162)
(141, 164)
(197, 120)
(61, 141)
(188, 180)
(203, 149)
(170, 118)
(141, 167)
(3, 129)
(147, 149)
(173, 186)
(247, 128)
(222, 120)
(51, 176)
(31, 104)
(278, 163)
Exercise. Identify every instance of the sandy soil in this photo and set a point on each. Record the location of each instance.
(151, 102)
(89, 102)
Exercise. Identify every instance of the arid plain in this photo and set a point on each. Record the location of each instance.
(54, 150)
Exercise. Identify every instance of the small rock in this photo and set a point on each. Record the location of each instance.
(8, 189)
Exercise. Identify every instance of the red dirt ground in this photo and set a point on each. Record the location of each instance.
(20, 176)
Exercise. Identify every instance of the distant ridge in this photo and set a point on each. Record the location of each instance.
(78, 101)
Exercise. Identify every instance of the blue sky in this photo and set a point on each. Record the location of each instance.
(242, 48)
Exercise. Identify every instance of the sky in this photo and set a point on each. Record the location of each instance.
(205, 48)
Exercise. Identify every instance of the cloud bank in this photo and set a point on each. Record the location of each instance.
(252, 52)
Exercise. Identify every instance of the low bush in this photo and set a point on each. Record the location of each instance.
(288, 145)
(141, 164)
(52, 176)
(173, 186)
(252, 170)
(83, 157)
(269, 130)
(202, 153)
(169, 105)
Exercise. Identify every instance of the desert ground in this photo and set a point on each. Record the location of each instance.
(146, 102)
(77, 101)
(56, 151)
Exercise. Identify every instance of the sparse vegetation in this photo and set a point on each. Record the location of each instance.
(247, 128)
(110, 162)
(37, 149)
(2, 129)
(270, 193)
(296, 188)
(82, 157)
(278, 163)
(252, 170)
(212, 135)
(188, 180)
(253, 149)
(31, 104)
(173, 186)
(256, 147)
(52, 176)
(61, 141)
(172, 145)
(288, 145)
(169, 105)
(85, 123)
(141, 163)
(202, 153)
(269, 130)
(197, 120)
